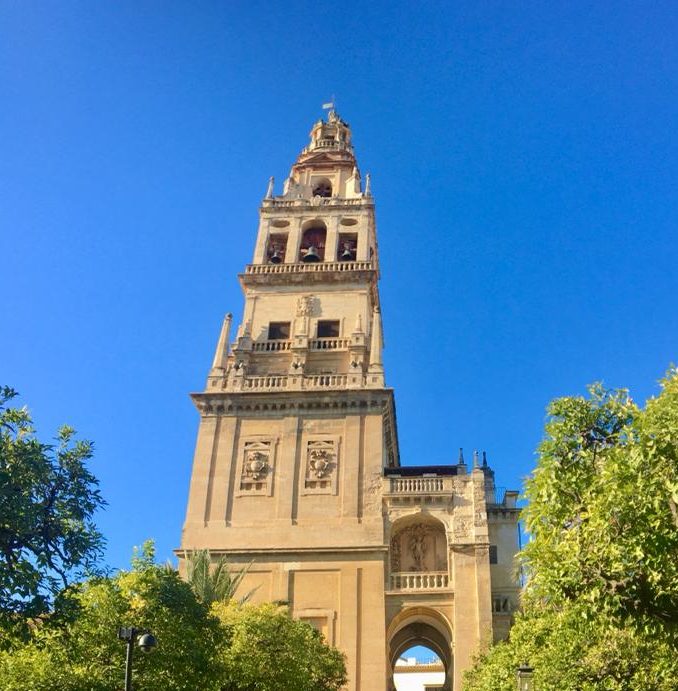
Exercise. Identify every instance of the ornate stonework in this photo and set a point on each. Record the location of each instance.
(256, 467)
(321, 466)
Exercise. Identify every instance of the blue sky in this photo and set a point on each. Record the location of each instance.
(523, 162)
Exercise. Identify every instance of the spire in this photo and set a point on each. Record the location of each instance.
(358, 324)
(269, 189)
(368, 192)
(221, 353)
(476, 463)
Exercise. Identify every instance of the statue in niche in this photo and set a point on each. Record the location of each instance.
(418, 547)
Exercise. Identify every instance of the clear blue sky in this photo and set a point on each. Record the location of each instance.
(524, 164)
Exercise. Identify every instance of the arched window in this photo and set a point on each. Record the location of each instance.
(322, 188)
(312, 248)
(276, 248)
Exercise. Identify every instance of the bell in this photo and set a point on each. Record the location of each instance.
(311, 255)
(347, 255)
(275, 258)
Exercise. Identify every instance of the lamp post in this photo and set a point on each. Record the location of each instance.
(146, 642)
(525, 681)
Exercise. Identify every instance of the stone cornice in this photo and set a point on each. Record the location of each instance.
(234, 402)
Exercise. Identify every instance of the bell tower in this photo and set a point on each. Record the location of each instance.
(296, 464)
(296, 423)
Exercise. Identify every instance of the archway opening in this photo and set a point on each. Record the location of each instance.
(422, 634)
(419, 668)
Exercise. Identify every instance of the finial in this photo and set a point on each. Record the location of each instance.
(269, 190)
(484, 459)
(221, 353)
(461, 456)
(367, 186)
(475, 459)
(358, 324)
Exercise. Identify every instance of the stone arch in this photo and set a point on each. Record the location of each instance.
(322, 187)
(313, 236)
(418, 543)
(421, 626)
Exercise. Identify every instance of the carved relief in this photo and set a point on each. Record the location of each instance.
(395, 553)
(462, 528)
(256, 467)
(373, 493)
(420, 548)
(305, 305)
(321, 465)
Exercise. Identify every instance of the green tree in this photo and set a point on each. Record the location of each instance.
(76, 649)
(270, 651)
(213, 580)
(601, 599)
(47, 502)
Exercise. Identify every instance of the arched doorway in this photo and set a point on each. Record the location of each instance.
(421, 626)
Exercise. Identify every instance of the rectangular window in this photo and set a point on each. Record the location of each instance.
(278, 331)
(493, 554)
(328, 329)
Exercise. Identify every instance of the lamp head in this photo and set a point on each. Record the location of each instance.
(147, 642)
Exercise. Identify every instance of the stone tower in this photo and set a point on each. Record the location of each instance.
(296, 463)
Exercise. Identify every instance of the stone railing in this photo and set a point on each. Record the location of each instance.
(313, 382)
(270, 346)
(329, 343)
(265, 383)
(310, 267)
(326, 381)
(315, 201)
(432, 580)
(419, 485)
(503, 603)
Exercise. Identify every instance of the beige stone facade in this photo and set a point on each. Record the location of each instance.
(297, 465)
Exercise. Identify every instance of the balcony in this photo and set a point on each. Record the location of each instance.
(420, 582)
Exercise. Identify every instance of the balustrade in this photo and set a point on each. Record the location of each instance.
(432, 580)
(322, 381)
(417, 485)
(270, 346)
(312, 382)
(312, 267)
(330, 343)
(265, 383)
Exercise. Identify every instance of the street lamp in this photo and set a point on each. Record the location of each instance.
(146, 642)
(525, 681)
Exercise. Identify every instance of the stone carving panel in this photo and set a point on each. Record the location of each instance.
(256, 467)
(322, 459)
(421, 547)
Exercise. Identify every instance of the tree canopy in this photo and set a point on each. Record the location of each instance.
(270, 651)
(48, 499)
(600, 605)
(218, 646)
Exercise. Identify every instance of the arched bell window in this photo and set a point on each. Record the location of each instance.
(276, 248)
(347, 247)
(312, 248)
(322, 188)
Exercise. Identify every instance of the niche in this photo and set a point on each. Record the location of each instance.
(312, 248)
(348, 247)
(276, 248)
